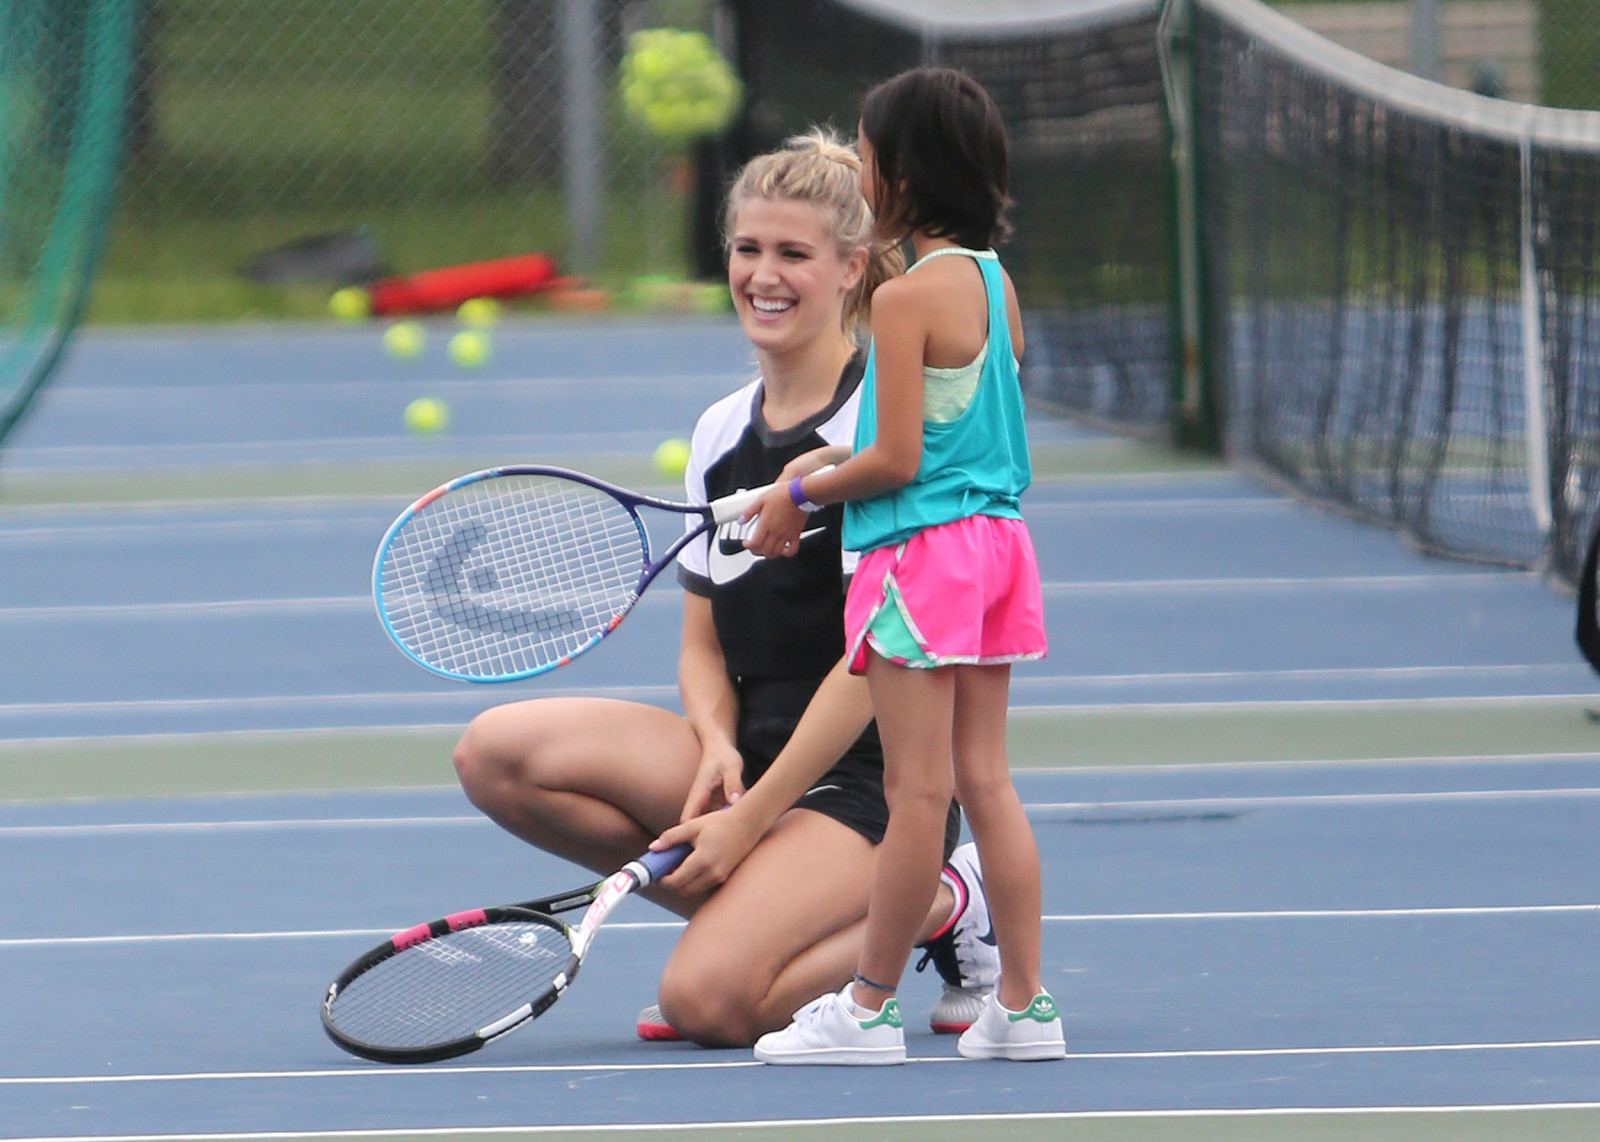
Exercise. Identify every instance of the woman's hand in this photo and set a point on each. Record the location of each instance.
(778, 524)
(721, 841)
(718, 782)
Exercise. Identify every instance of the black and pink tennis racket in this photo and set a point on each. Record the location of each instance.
(445, 988)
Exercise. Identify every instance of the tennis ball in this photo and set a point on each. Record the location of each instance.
(349, 304)
(672, 457)
(478, 312)
(404, 339)
(427, 415)
(469, 348)
(675, 85)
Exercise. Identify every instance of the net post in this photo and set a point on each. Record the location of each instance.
(1192, 405)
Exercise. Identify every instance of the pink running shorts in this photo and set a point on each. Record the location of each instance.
(960, 593)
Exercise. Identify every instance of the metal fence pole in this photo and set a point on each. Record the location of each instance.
(583, 188)
(1424, 38)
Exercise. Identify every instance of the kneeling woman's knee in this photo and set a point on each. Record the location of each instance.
(706, 1006)
(487, 771)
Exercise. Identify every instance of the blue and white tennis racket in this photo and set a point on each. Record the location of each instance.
(510, 572)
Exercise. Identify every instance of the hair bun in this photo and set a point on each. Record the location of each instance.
(825, 144)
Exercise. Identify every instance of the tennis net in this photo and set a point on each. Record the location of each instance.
(63, 71)
(1403, 292)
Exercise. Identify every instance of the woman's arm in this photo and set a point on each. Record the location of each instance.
(836, 716)
(711, 707)
(899, 334)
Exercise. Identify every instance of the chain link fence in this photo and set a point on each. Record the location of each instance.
(430, 132)
(403, 134)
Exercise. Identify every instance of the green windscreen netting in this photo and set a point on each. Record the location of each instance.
(63, 75)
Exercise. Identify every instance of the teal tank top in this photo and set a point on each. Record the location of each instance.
(974, 464)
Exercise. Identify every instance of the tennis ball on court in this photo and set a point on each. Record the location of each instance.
(478, 312)
(469, 348)
(427, 415)
(404, 339)
(672, 457)
(349, 304)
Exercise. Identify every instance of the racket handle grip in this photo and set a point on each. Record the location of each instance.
(730, 508)
(659, 864)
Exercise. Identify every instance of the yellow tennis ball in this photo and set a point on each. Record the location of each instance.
(427, 415)
(469, 348)
(672, 457)
(478, 312)
(404, 339)
(349, 304)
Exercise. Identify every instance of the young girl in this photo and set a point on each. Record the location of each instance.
(776, 890)
(946, 595)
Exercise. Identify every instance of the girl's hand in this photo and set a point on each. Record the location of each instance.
(718, 782)
(721, 841)
(778, 524)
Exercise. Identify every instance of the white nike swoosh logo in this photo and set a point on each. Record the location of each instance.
(819, 789)
(725, 568)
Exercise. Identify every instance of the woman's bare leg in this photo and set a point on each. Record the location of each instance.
(785, 928)
(593, 780)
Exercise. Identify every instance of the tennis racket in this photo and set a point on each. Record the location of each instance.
(510, 572)
(446, 988)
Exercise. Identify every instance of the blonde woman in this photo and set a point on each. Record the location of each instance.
(775, 729)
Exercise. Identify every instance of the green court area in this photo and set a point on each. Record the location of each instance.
(291, 760)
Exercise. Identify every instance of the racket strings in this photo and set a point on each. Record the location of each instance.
(450, 987)
(512, 574)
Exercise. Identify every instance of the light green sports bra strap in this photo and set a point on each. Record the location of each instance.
(994, 290)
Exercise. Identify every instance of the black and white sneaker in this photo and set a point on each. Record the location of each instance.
(963, 952)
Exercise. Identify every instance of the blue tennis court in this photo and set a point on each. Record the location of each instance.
(1317, 812)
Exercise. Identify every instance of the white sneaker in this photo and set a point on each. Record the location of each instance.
(965, 956)
(827, 1030)
(1030, 1034)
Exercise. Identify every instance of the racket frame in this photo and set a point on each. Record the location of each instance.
(601, 897)
(714, 514)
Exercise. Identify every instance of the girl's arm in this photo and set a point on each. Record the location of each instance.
(837, 714)
(900, 335)
(712, 709)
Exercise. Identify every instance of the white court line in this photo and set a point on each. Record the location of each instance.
(300, 604)
(362, 1072)
(672, 925)
(1153, 805)
(1296, 800)
(1019, 683)
(1507, 1108)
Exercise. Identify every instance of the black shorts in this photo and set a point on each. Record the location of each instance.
(852, 791)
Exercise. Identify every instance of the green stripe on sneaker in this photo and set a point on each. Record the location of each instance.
(890, 1015)
(1041, 1010)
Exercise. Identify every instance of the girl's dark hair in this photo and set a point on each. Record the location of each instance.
(940, 150)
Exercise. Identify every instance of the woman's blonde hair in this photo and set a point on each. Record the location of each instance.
(819, 168)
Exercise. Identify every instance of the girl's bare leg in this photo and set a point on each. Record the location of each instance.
(999, 826)
(915, 713)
